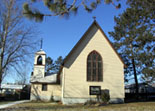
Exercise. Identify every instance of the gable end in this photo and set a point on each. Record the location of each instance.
(78, 43)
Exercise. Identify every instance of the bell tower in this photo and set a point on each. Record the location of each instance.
(39, 63)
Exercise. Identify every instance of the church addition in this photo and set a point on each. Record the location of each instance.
(92, 65)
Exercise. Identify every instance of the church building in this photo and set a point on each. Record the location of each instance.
(92, 66)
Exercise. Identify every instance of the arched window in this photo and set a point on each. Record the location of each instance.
(39, 60)
(94, 67)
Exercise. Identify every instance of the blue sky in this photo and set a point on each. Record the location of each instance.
(60, 34)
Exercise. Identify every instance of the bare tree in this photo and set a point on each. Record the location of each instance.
(24, 76)
(16, 39)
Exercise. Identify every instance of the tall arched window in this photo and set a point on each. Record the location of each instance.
(94, 67)
(39, 60)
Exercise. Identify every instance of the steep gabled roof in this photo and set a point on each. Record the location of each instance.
(82, 38)
(78, 43)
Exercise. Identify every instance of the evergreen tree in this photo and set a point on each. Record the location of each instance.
(52, 67)
(49, 68)
(62, 7)
(134, 39)
(58, 63)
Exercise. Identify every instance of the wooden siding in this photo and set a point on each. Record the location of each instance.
(52, 90)
(75, 83)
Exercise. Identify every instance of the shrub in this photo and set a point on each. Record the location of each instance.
(52, 98)
(105, 97)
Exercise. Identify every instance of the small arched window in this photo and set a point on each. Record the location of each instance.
(94, 67)
(39, 60)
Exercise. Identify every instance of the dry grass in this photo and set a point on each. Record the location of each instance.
(5, 102)
(42, 106)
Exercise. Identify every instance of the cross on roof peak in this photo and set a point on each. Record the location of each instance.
(94, 17)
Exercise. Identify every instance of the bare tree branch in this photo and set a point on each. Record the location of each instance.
(16, 39)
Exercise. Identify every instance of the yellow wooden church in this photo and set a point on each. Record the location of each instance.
(92, 66)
